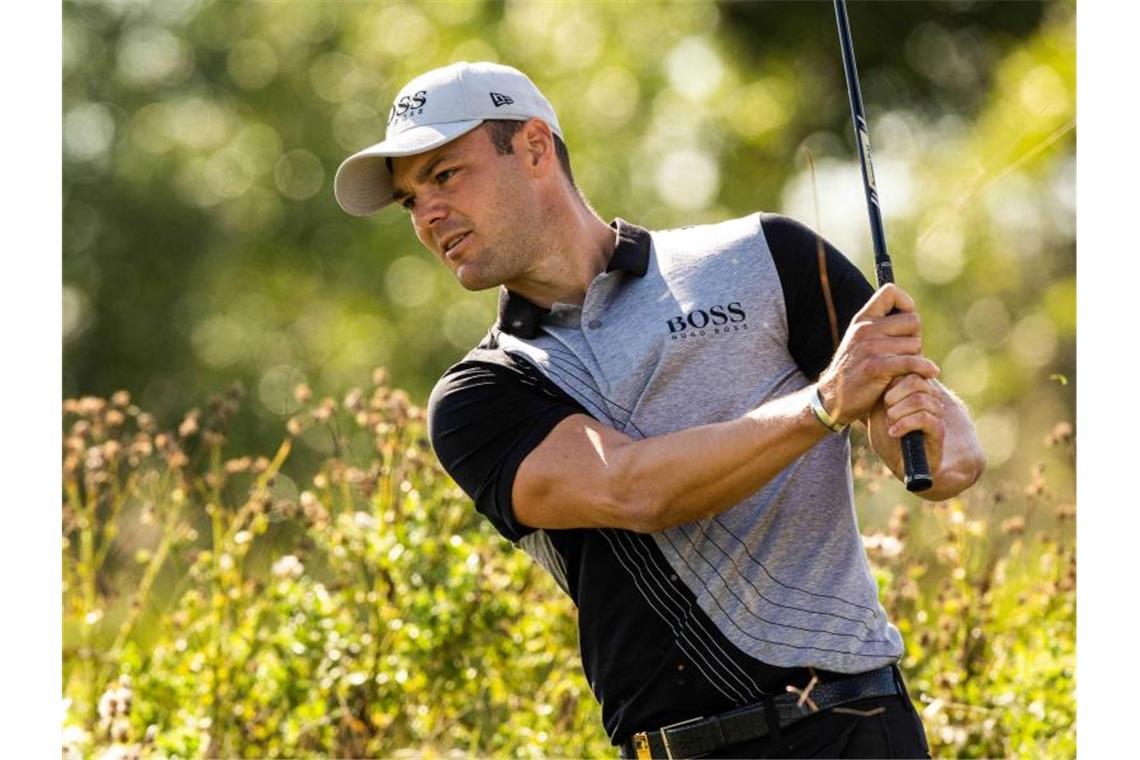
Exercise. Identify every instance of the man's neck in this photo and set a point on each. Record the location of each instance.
(577, 248)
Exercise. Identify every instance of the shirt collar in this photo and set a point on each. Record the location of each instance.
(520, 317)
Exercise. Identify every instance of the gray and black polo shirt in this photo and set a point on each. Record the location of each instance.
(685, 327)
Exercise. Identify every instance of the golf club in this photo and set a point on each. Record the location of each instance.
(913, 443)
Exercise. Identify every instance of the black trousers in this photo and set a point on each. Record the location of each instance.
(874, 727)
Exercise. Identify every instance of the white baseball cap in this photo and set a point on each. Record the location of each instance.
(433, 109)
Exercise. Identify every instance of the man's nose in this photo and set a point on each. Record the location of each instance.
(429, 210)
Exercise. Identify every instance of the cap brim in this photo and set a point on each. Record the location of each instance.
(363, 184)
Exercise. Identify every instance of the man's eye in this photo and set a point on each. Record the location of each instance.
(444, 175)
(408, 204)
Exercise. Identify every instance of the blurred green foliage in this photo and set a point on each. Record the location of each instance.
(215, 606)
(371, 613)
(202, 246)
(202, 243)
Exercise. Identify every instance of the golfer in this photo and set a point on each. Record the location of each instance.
(659, 419)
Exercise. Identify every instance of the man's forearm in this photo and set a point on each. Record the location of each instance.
(701, 471)
(963, 460)
(586, 474)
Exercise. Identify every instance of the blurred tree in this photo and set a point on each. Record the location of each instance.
(202, 244)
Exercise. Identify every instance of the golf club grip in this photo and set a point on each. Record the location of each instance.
(917, 470)
(914, 461)
(915, 467)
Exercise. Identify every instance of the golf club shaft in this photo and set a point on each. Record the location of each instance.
(913, 443)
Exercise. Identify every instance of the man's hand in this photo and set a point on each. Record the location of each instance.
(952, 446)
(911, 403)
(877, 348)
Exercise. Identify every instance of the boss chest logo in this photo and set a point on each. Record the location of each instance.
(408, 106)
(710, 320)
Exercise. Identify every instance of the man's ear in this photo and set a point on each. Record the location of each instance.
(537, 146)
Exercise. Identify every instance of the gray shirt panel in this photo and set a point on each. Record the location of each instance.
(703, 338)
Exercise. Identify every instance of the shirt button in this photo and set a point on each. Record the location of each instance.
(594, 324)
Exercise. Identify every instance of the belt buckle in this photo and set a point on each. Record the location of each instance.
(641, 746)
(665, 737)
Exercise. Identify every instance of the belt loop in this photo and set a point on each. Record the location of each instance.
(773, 717)
(900, 685)
(720, 735)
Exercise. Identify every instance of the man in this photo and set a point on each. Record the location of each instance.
(658, 417)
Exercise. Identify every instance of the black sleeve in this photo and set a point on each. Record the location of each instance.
(484, 417)
(795, 251)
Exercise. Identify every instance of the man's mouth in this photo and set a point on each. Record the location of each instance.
(452, 242)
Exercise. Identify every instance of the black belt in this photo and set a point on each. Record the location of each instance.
(699, 736)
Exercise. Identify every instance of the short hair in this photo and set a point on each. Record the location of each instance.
(502, 131)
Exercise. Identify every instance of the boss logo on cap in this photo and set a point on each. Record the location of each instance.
(408, 106)
(501, 100)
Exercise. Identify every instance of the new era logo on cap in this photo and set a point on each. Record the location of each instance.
(501, 100)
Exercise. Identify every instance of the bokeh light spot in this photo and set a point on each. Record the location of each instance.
(1033, 341)
(577, 40)
(694, 69)
(220, 340)
(760, 107)
(410, 281)
(403, 30)
(75, 45)
(465, 322)
(335, 77)
(227, 173)
(299, 175)
(688, 179)
(88, 129)
(252, 64)
(260, 145)
(997, 431)
(150, 130)
(614, 94)
(939, 256)
(76, 313)
(174, 11)
(1043, 90)
(150, 56)
(838, 191)
(473, 49)
(200, 123)
(275, 389)
(987, 322)
(455, 13)
(356, 125)
(1014, 207)
(966, 369)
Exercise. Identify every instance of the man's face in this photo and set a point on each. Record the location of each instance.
(470, 207)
